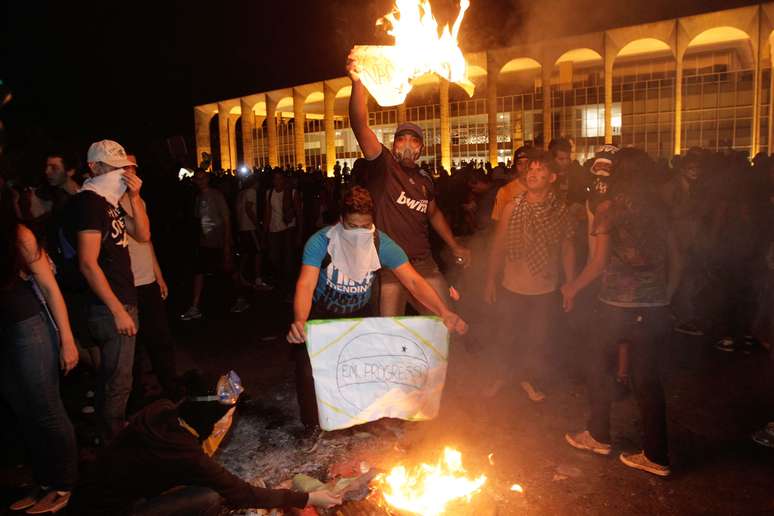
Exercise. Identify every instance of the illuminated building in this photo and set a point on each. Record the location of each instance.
(702, 80)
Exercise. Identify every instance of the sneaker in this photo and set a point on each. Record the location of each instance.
(240, 306)
(640, 461)
(89, 394)
(192, 313)
(584, 441)
(88, 409)
(29, 499)
(534, 394)
(726, 344)
(54, 501)
(689, 329)
(261, 285)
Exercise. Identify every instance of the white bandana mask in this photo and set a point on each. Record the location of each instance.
(111, 186)
(353, 251)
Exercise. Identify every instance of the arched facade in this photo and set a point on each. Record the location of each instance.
(664, 86)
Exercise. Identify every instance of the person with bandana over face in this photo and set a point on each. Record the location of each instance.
(337, 274)
(97, 228)
(162, 462)
(404, 201)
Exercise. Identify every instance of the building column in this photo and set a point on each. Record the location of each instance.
(492, 71)
(547, 111)
(298, 127)
(232, 140)
(771, 96)
(223, 137)
(329, 100)
(445, 125)
(202, 129)
(610, 55)
(678, 105)
(271, 131)
(756, 120)
(248, 124)
(402, 112)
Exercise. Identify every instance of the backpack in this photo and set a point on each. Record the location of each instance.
(65, 257)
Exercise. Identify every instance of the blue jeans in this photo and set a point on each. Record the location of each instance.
(30, 384)
(114, 378)
(181, 501)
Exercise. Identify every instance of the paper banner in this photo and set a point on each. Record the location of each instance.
(370, 368)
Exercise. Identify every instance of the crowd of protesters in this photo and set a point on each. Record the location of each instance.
(614, 253)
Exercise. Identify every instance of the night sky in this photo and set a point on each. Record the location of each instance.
(131, 71)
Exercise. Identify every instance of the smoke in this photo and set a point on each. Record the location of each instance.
(495, 24)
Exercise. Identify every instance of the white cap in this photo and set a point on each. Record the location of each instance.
(110, 152)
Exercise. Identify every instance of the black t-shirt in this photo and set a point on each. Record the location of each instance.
(401, 197)
(18, 302)
(88, 211)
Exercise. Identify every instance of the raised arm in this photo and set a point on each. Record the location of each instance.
(358, 113)
(137, 224)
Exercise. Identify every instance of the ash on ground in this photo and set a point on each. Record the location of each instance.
(265, 445)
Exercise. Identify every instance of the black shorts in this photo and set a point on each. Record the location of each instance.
(209, 260)
(248, 243)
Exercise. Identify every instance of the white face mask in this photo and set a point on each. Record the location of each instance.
(353, 251)
(357, 236)
(110, 185)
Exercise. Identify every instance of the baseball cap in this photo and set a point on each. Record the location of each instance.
(521, 152)
(110, 152)
(408, 127)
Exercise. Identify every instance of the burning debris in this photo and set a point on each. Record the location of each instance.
(371, 467)
(427, 489)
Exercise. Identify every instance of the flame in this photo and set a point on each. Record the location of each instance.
(415, 30)
(427, 489)
(419, 49)
(516, 488)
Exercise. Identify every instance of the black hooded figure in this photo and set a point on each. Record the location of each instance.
(156, 465)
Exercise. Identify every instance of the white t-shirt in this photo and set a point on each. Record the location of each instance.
(277, 223)
(246, 195)
(140, 253)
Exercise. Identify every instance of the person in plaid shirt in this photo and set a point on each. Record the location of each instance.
(533, 250)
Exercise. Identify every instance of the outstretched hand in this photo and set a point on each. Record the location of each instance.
(454, 323)
(297, 335)
(324, 499)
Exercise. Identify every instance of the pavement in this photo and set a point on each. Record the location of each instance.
(715, 401)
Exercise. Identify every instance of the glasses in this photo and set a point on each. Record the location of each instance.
(229, 389)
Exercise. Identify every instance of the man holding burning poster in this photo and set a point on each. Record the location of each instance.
(403, 198)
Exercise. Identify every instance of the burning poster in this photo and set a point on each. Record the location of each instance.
(367, 369)
(419, 49)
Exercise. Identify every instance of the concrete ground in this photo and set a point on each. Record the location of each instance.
(715, 400)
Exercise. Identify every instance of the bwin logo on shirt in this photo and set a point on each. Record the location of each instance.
(420, 206)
